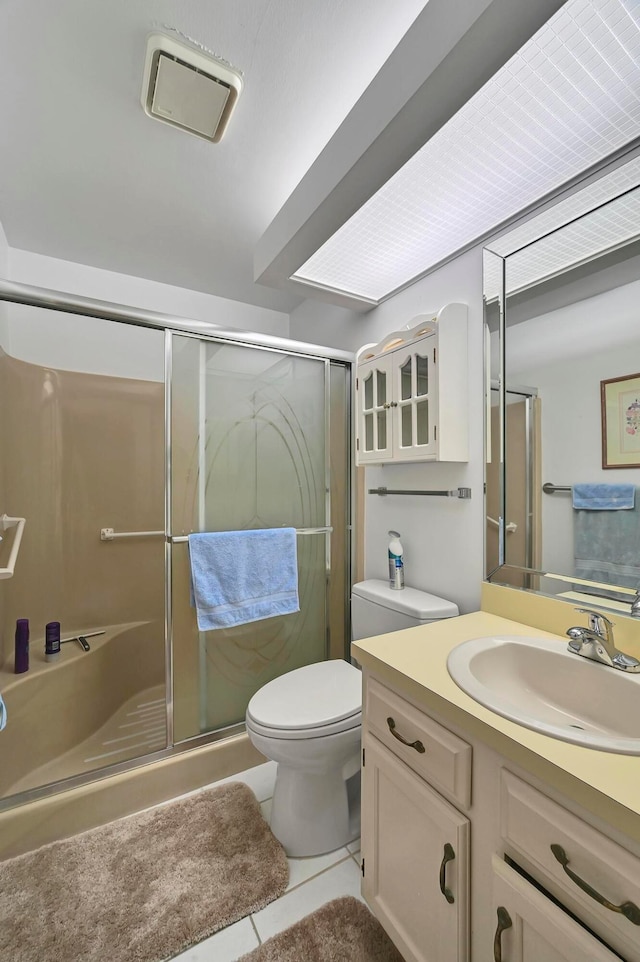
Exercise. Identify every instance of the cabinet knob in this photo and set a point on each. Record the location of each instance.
(504, 922)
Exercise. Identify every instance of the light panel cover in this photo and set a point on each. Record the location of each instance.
(569, 98)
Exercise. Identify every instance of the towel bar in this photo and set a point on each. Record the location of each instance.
(327, 529)
(455, 493)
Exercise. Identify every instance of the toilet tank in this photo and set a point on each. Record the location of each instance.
(376, 608)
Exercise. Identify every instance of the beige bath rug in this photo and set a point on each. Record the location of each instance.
(341, 931)
(143, 888)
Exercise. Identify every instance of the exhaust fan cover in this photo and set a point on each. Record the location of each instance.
(188, 89)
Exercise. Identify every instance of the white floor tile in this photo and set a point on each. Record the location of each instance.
(342, 879)
(225, 946)
(302, 869)
(260, 779)
(354, 847)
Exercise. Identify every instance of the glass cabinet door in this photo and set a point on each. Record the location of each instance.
(415, 429)
(375, 405)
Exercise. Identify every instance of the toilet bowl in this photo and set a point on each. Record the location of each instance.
(309, 721)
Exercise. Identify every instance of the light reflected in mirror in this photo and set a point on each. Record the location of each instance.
(562, 312)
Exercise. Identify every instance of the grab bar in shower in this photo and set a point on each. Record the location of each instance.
(108, 534)
(18, 523)
(510, 527)
(327, 529)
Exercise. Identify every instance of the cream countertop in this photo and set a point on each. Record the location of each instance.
(414, 662)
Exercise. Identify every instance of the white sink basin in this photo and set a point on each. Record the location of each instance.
(537, 683)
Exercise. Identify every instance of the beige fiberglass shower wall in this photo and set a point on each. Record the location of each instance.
(260, 439)
(82, 440)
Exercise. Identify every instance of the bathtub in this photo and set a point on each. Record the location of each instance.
(60, 714)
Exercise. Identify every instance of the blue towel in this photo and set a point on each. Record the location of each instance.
(243, 576)
(3, 714)
(607, 547)
(603, 497)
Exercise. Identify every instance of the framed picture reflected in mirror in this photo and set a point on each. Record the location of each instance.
(620, 406)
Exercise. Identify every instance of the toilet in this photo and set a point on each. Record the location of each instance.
(309, 721)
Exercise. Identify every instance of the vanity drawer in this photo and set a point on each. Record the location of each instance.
(531, 823)
(446, 760)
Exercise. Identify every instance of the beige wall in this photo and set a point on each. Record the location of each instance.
(80, 452)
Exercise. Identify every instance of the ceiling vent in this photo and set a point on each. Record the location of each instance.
(188, 89)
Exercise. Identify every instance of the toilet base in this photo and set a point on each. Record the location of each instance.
(314, 813)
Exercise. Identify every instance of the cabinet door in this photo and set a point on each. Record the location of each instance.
(415, 391)
(415, 848)
(374, 403)
(529, 927)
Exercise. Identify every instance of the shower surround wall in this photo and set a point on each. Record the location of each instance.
(86, 452)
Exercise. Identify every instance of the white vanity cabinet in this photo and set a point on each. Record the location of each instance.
(415, 843)
(411, 392)
(544, 881)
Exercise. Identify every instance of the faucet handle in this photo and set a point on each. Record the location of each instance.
(598, 622)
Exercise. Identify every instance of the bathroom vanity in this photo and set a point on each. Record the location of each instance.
(482, 839)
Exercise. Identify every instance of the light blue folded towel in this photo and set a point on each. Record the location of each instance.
(243, 576)
(603, 497)
(607, 547)
(3, 714)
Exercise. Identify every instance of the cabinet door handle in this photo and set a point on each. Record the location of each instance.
(629, 909)
(448, 856)
(419, 747)
(504, 922)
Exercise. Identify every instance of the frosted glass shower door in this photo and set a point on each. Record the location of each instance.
(249, 450)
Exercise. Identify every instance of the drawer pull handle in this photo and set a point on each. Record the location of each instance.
(504, 922)
(448, 856)
(419, 747)
(629, 909)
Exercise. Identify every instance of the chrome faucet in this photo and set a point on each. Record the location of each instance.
(635, 605)
(596, 642)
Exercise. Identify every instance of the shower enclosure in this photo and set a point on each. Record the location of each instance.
(122, 432)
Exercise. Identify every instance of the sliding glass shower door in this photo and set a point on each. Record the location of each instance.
(251, 448)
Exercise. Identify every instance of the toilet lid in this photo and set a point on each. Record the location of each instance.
(309, 697)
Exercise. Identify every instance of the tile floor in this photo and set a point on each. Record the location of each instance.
(312, 882)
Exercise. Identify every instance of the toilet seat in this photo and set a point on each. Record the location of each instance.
(309, 702)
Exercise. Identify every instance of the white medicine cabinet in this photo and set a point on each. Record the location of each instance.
(411, 392)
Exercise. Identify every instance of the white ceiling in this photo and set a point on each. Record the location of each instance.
(86, 176)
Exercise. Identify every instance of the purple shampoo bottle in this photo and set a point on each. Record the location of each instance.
(22, 646)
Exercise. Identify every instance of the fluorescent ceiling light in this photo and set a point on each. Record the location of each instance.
(569, 98)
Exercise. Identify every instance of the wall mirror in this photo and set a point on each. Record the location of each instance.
(562, 306)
